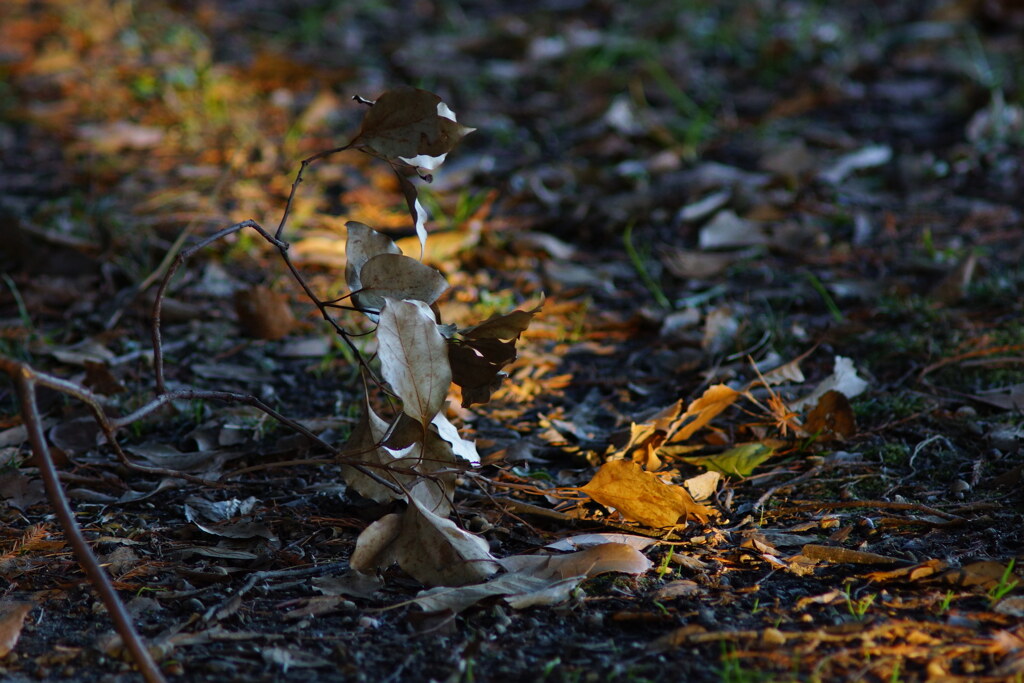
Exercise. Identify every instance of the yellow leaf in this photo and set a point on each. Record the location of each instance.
(641, 496)
(716, 399)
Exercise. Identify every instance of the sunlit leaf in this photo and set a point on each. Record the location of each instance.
(701, 411)
(738, 462)
(641, 496)
(414, 358)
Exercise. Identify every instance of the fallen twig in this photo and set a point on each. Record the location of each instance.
(25, 380)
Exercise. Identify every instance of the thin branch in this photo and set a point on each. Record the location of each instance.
(25, 381)
(298, 180)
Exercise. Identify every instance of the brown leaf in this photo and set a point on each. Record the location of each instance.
(364, 444)
(476, 367)
(435, 552)
(505, 326)
(414, 358)
(100, 379)
(598, 559)
(641, 496)
(361, 244)
(837, 555)
(398, 277)
(264, 313)
(832, 417)
(12, 619)
(410, 454)
(539, 579)
(373, 547)
(701, 411)
(410, 125)
(427, 546)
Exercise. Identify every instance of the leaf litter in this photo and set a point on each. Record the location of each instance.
(589, 364)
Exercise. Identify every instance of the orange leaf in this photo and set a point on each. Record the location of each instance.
(641, 496)
(699, 413)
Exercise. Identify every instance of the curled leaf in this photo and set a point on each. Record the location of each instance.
(416, 211)
(701, 411)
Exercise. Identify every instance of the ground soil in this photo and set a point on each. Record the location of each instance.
(604, 132)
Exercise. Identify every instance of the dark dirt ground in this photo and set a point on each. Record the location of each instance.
(688, 183)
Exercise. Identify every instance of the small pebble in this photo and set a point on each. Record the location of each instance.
(966, 413)
(960, 486)
(1007, 440)
(368, 622)
(706, 618)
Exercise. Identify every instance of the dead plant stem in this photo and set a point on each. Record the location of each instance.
(25, 382)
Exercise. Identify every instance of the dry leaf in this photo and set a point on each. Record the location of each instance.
(478, 377)
(728, 231)
(410, 125)
(395, 276)
(429, 548)
(413, 459)
(463, 448)
(362, 244)
(539, 579)
(416, 211)
(435, 552)
(414, 358)
(582, 541)
(871, 156)
(738, 462)
(703, 486)
(12, 619)
(843, 379)
(505, 326)
(364, 444)
(598, 559)
(832, 417)
(701, 411)
(264, 313)
(374, 545)
(641, 496)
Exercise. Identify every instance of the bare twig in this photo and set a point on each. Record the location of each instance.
(799, 505)
(25, 380)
